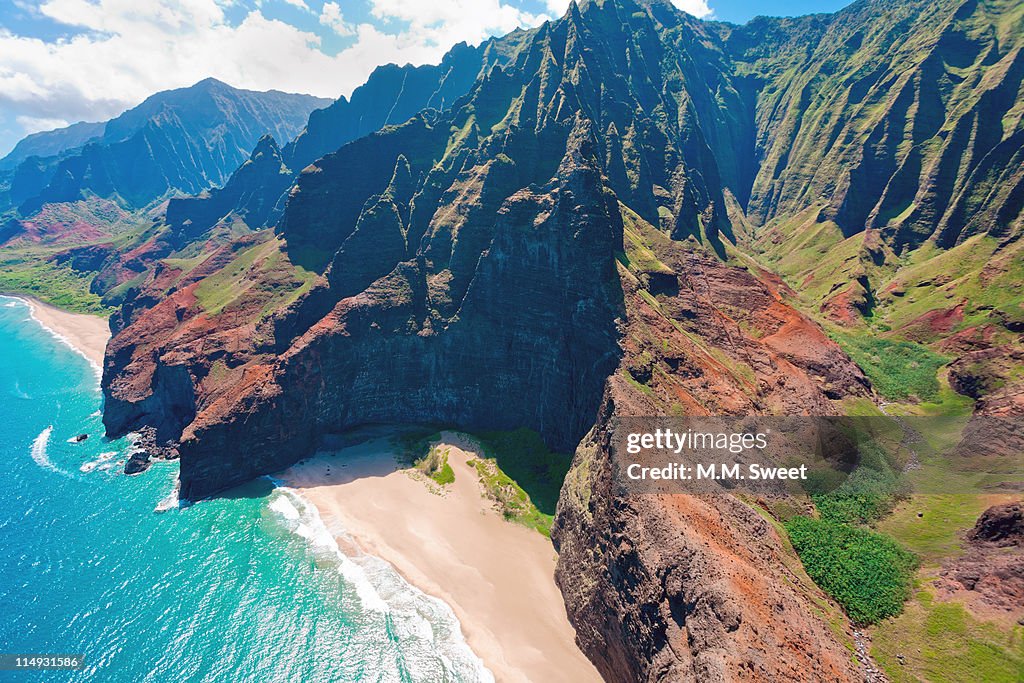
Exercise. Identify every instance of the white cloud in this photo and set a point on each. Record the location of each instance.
(446, 21)
(126, 50)
(30, 124)
(301, 4)
(331, 17)
(698, 8)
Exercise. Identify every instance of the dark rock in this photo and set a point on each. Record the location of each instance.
(1002, 525)
(137, 463)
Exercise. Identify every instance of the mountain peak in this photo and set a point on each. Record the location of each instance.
(211, 83)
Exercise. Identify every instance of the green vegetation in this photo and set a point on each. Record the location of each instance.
(525, 458)
(943, 643)
(60, 286)
(512, 501)
(638, 256)
(516, 469)
(260, 279)
(866, 495)
(445, 475)
(866, 572)
(522, 476)
(979, 273)
(931, 525)
(435, 465)
(899, 370)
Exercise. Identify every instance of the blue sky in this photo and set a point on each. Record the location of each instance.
(63, 61)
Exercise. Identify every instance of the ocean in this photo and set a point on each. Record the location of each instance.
(250, 586)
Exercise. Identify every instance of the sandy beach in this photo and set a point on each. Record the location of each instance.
(88, 334)
(497, 576)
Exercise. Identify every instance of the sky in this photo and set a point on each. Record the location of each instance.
(63, 61)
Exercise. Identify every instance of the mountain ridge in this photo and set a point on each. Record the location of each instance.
(182, 140)
(391, 95)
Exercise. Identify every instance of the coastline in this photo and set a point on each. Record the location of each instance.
(497, 576)
(85, 334)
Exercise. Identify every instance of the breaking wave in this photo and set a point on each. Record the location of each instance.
(426, 628)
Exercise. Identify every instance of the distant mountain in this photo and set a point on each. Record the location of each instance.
(391, 95)
(253, 194)
(176, 142)
(52, 143)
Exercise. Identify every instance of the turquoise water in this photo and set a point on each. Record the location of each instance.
(249, 587)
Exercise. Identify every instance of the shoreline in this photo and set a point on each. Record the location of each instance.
(86, 334)
(450, 543)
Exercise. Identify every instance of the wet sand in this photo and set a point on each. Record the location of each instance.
(87, 334)
(497, 576)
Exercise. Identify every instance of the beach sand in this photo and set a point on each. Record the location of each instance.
(497, 576)
(88, 334)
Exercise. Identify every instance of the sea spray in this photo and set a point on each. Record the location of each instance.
(171, 501)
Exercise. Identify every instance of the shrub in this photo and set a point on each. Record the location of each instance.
(867, 573)
(444, 475)
(897, 369)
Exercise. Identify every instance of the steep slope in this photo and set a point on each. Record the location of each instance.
(890, 187)
(51, 143)
(489, 267)
(390, 96)
(178, 141)
(912, 126)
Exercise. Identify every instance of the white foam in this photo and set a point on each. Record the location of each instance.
(304, 520)
(101, 463)
(54, 333)
(414, 616)
(39, 449)
(284, 507)
(171, 500)
(40, 452)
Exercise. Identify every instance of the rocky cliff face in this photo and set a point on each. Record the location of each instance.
(390, 96)
(554, 243)
(682, 587)
(910, 126)
(552, 251)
